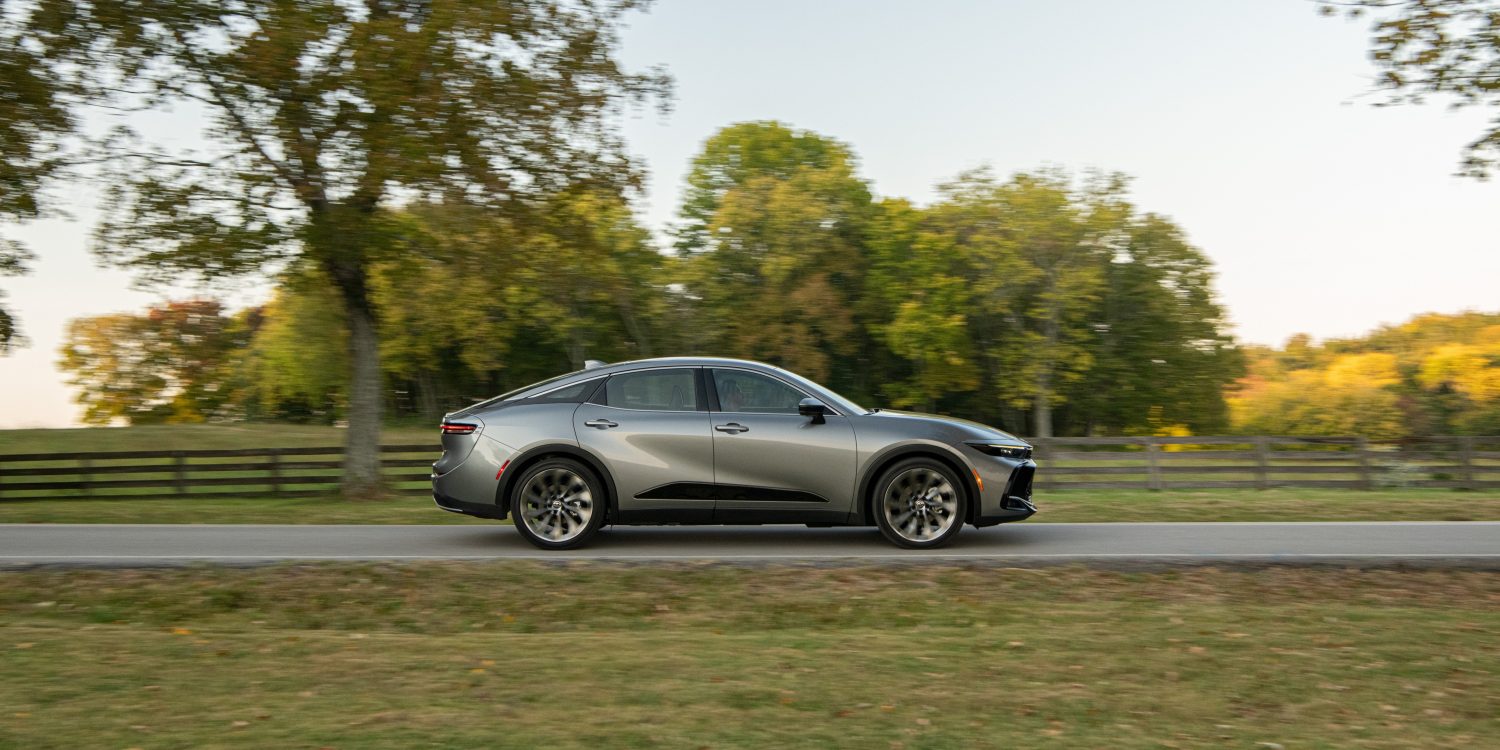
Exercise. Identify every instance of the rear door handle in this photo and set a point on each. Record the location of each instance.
(602, 424)
(733, 428)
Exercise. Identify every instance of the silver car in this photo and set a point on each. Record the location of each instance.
(721, 441)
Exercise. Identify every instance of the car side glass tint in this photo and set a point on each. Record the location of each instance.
(654, 390)
(747, 392)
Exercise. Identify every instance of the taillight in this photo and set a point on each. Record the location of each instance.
(459, 428)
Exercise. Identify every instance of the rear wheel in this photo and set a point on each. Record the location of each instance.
(920, 504)
(557, 504)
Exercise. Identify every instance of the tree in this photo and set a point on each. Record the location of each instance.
(774, 223)
(169, 365)
(584, 281)
(323, 115)
(1035, 259)
(1449, 48)
(31, 119)
(1162, 353)
(296, 364)
(918, 301)
(1356, 394)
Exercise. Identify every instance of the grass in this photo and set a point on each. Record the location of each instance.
(1285, 504)
(1057, 506)
(531, 655)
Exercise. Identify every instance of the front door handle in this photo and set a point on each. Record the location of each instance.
(733, 428)
(602, 424)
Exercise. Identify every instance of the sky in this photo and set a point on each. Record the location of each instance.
(1249, 122)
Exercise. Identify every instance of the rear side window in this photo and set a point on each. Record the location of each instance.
(571, 394)
(655, 390)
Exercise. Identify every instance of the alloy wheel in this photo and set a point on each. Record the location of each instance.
(920, 505)
(556, 504)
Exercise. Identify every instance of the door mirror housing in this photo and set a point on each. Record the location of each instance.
(813, 408)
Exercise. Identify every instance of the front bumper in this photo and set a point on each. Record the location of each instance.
(1006, 495)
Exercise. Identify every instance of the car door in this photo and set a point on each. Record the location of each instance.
(651, 429)
(772, 465)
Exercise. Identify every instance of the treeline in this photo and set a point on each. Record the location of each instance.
(1434, 375)
(1040, 302)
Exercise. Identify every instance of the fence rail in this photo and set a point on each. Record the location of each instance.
(189, 474)
(1155, 463)
(1264, 461)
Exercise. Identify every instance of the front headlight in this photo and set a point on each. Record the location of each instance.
(1003, 450)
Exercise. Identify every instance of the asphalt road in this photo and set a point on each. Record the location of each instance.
(1467, 544)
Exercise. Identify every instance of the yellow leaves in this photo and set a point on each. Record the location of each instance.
(1354, 394)
(181, 631)
(1470, 369)
(1374, 370)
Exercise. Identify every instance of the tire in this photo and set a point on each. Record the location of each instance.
(557, 504)
(920, 504)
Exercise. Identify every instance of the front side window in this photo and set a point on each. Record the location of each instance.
(742, 391)
(655, 390)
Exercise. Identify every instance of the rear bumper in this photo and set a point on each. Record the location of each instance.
(480, 510)
(1007, 494)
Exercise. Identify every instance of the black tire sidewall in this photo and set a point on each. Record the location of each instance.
(883, 484)
(596, 489)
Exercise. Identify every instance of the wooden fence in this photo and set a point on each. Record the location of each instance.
(188, 474)
(1154, 463)
(1160, 463)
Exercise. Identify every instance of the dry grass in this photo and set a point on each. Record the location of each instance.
(530, 655)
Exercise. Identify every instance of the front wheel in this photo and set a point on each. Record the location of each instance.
(557, 504)
(919, 504)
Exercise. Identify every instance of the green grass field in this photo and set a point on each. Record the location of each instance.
(531, 655)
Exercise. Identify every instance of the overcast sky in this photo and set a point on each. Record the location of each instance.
(1247, 121)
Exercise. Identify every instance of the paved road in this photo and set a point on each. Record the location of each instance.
(1472, 544)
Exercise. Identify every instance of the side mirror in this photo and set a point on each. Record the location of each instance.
(813, 408)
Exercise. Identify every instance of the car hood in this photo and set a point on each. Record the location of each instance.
(975, 429)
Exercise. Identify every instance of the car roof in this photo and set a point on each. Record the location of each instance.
(599, 371)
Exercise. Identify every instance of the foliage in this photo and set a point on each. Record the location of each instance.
(296, 366)
(169, 365)
(773, 229)
(31, 118)
(1046, 295)
(1449, 48)
(1435, 374)
(322, 116)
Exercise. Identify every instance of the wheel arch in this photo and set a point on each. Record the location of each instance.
(532, 456)
(865, 491)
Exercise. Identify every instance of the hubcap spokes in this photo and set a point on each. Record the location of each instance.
(556, 504)
(920, 505)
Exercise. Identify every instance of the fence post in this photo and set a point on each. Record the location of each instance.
(1262, 462)
(1466, 462)
(275, 454)
(1362, 446)
(86, 477)
(1153, 464)
(180, 462)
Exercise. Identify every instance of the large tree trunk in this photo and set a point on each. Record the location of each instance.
(362, 444)
(1041, 414)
